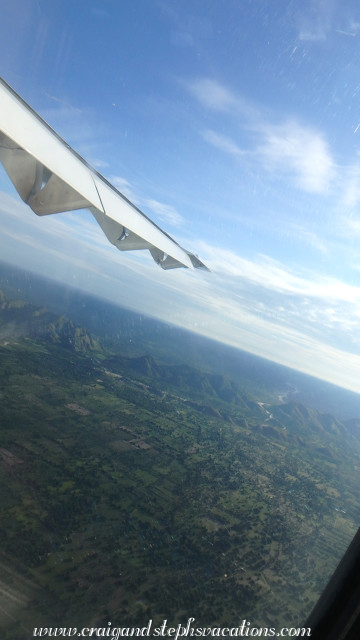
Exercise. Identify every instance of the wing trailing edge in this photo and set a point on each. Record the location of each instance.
(51, 177)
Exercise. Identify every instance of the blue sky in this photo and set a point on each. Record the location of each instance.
(235, 125)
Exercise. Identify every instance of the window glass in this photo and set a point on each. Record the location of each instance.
(177, 443)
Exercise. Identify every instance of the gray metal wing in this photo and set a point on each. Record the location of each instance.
(51, 177)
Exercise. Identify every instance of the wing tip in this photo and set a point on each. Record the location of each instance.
(196, 262)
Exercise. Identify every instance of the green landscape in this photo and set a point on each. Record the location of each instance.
(136, 488)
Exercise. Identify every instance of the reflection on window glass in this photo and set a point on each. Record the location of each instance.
(177, 443)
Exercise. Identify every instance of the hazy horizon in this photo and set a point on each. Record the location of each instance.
(70, 293)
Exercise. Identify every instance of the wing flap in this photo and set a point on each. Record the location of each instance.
(121, 211)
(30, 133)
(118, 235)
(20, 167)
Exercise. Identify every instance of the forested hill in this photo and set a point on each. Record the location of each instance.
(22, 319)
(186, 380)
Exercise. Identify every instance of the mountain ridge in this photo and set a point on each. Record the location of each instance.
(215, 395)
(38, 322)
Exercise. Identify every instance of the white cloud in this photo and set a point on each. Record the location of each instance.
(271, 274)
(97, 163)
(213, 95)
(301, 151)
(311, 238)
(315, 20)
(313, 33)
(125, 188)
(222, 142)
(286, 149)
(165, 212)
(351, 182)
(353, 28)
(287, 327)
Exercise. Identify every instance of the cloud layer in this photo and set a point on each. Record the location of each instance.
(299, 319)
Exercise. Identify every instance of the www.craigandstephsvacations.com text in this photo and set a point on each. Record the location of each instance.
(244, 630)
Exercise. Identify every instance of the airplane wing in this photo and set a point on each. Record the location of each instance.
(51, 177)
